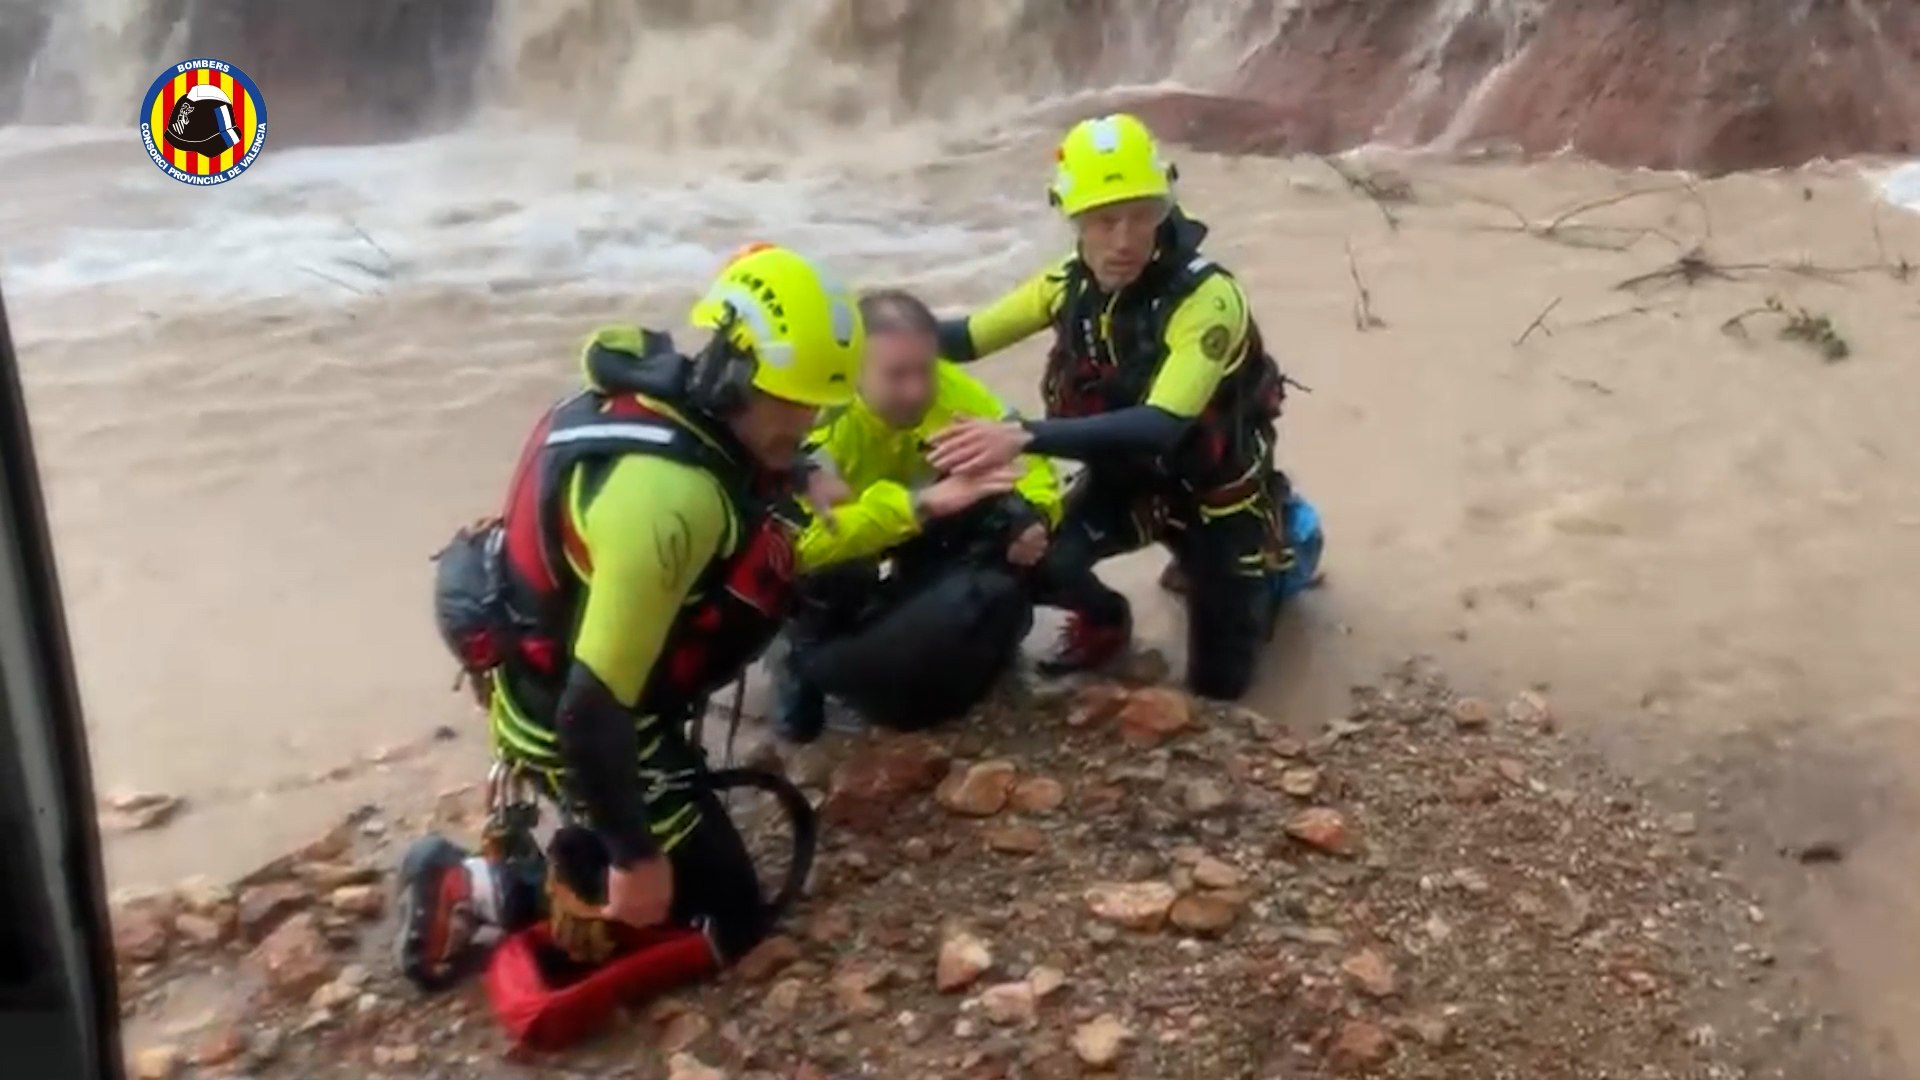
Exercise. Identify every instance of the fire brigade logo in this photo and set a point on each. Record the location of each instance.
(203, 122)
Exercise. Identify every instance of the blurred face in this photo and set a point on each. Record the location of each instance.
(1117, 240)
(896, 380)
(773, 430)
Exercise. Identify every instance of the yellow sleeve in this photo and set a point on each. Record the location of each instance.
(1020, 314)
(650, 530)
(879, 518)
(1206, 339)
(962, 394)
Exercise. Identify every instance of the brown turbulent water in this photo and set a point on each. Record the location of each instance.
(262, 406)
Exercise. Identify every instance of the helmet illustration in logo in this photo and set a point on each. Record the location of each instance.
(202, 122)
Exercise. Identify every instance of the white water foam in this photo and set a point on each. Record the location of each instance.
(1901, 186)
(480, 209)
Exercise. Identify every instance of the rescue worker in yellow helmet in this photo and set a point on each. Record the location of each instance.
(643, 559)
(924, 642)
(1159, 382)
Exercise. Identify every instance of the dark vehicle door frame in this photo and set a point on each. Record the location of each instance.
(59, 1007)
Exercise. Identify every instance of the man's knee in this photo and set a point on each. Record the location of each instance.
(715, 882)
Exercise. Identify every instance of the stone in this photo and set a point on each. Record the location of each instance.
(1322, 829)
(328, 876)
(1530, 709)
(981, 790)
(294, 960)
(1361, 1046)
(1010, 1003)
(854, 988)
(1097, 703)
(1046, 981)
(1150, 716)
(682, 1031)
(1203, 797)
(203, 896)
(1371, 973)
(264, 907)
(331, 997)
(157, 1063)
(266, 1044)
(1472, 714)
(1098, 1042)
(1433, 1030)
(142, 929)
(767, 959)
(1204, 913)
(220, 1046)
(783, 998)
(865, 790)
(688, 1067)
(199, 931)
(361, 901)
(1682, 824)
(1037, 795)
(1140, 905)
(963, 959)
(1287, 745)
(1300, 782)
(1016, 840)
(1211, 873)
(139, 811)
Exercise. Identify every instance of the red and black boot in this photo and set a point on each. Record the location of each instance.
(1086, 645)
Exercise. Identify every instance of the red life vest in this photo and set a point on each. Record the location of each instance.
(736, 605)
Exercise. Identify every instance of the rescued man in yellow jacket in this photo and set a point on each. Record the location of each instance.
(916, 592)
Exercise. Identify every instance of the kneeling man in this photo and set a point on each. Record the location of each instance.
(916, 595)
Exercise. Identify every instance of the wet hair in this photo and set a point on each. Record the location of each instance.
(894, 311)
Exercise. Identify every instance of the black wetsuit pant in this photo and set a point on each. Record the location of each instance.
(715, 880)
(924, 638)
(1227, 552)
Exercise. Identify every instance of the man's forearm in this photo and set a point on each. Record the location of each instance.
(1138, 429)
(602, 750)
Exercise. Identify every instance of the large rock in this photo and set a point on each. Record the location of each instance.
(963, 958)
(981, 790)
(1371, 973)
(1361, 1047)
(1151, 715)
(1037, 795)
(1099, 1041)
(1322, 829)
(869, 786)
(1010, 1003)
(264, 907)
(142, 928)
(1205, 913)
(294, 960)
(1135, 905)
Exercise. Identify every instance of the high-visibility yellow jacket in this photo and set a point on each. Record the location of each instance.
(885, 465)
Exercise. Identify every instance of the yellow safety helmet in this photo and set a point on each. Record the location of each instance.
(1108, 159)
(801, 329)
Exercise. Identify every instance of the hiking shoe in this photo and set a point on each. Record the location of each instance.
(439, 915)
(1086, 645)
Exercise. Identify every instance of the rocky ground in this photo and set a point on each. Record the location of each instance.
(1097, 879)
